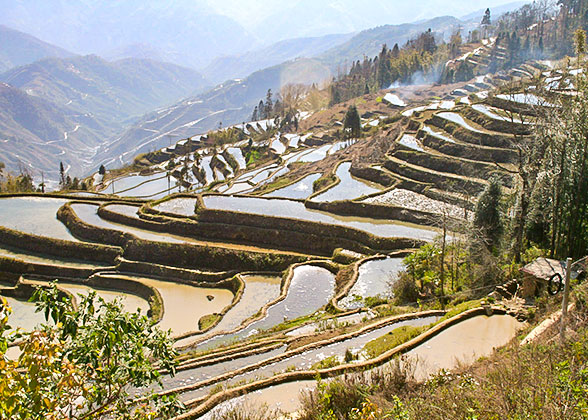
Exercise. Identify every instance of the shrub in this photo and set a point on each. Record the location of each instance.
(405, 290)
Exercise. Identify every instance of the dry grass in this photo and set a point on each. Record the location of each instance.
(547, 380)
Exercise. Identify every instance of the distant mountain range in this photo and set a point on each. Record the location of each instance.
(230, 67)
(18, 48)
(231, 102)
(42, 103)
(369, 42)
(114, 92)
(38, 134)
(268, 19)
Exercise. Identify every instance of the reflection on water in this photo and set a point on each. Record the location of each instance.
(457, 119)
(238, 155)
(183, 206)
(316, 155)
(434, 133)
(259, 291)
(184, 305)
(121, 185)
(349, 187)
(464, 342)
(161, 185)
(294, 209)
(526, 98)
(34, 215)
(88, 213)
(299, 190)
(375, 278)
(126, 209)
(311, 288)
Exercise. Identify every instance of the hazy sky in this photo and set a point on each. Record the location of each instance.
(249, 13)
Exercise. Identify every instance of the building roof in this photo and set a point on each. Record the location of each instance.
(544, 268)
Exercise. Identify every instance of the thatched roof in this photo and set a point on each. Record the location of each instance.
(544, 268)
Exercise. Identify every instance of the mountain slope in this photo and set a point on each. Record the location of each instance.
(369, 42)
(229, 67)
(230, 103)
(233, 101)
(19, 49)
(495, 10)
(38, 134)
(299, 18)
(113, 92)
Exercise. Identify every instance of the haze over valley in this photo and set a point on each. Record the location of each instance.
(114, 101)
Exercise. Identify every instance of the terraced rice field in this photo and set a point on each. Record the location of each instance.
(297, 210)
(348, 188)
(269, 323)
(299, 190)
(375, 278)
(34, 215)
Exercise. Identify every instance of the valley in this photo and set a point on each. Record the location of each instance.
(212, 239)
(376, 246)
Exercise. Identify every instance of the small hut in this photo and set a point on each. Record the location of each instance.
(537, 274)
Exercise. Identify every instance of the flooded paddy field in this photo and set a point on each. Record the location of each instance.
(459, 120)
(89, 214)
(34, 215)
(348, 188)
(297, 210)
(283, 397)
(46, 260)
(129, 301)
(184, 305)
(299, 190)
(124, 185)
(259, 291)
(310, 289)
(375, 278)
(150, 189)
(463, 343)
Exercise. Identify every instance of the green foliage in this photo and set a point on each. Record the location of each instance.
(226, 136)
(391, 340)
(11, 183)
(462, 307)
(420, 57)
(207, 321)
(560, 196)
(326, 363)
(324, 181)
(84, 365)
(352, 123)
(488, 213)
(252, 156)
(373, 301)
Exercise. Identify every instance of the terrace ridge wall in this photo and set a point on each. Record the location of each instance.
(59, 247)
